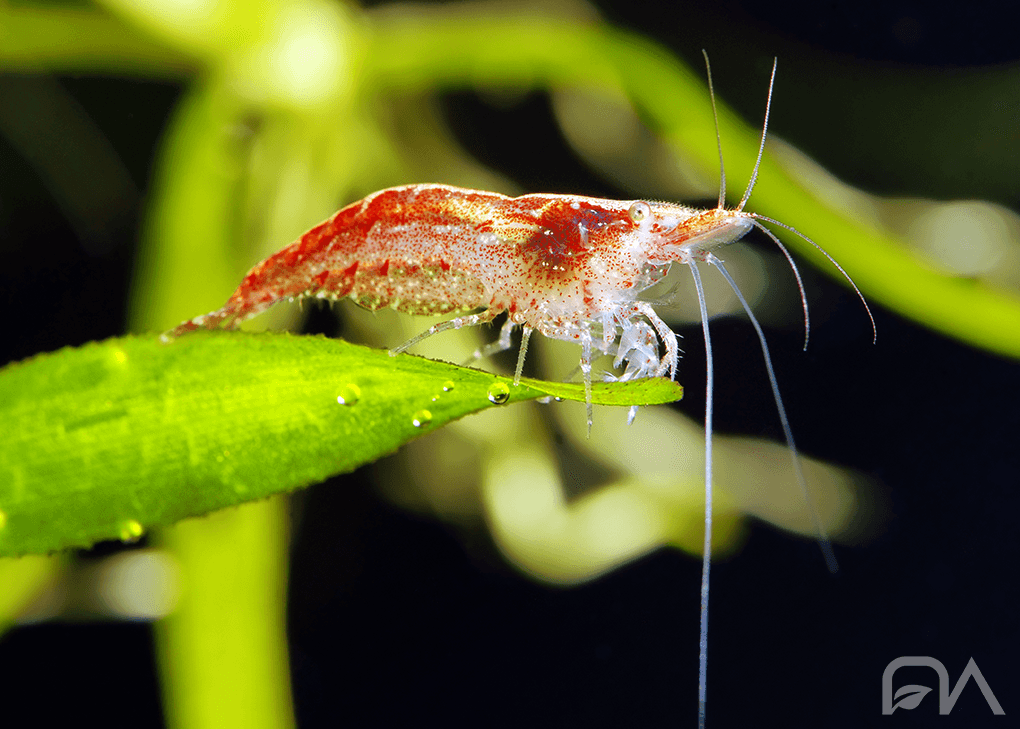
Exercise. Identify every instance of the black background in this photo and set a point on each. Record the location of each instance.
(397, 620)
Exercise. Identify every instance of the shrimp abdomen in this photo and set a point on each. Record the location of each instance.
(370, 251)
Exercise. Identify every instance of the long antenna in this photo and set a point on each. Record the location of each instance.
(820, 535)
(706, 560)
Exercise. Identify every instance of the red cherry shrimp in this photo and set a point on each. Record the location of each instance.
(570, 267)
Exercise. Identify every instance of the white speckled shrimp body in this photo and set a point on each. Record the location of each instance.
(570, 267)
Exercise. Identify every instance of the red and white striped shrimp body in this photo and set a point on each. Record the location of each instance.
(570, 267)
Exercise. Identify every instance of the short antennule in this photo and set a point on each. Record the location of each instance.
(796, 273)
(761, 146)
(718, 137)
(871, 317)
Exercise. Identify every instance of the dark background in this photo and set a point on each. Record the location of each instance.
(395, 620)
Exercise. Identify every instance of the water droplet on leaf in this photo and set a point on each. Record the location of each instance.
(349, 394)
(499, 393)
(448, 385)
(422, 418)
(130, 531)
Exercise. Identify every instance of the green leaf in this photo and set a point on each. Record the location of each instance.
(116, 437)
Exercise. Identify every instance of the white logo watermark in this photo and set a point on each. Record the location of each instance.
(908, 697)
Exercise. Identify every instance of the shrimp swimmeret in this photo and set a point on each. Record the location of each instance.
(567, 266)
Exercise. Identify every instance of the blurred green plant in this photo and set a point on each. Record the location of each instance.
(288, 112)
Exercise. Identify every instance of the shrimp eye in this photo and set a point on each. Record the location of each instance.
(639, 212)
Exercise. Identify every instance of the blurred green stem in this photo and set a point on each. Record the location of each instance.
(223, 652)
(48, 40)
